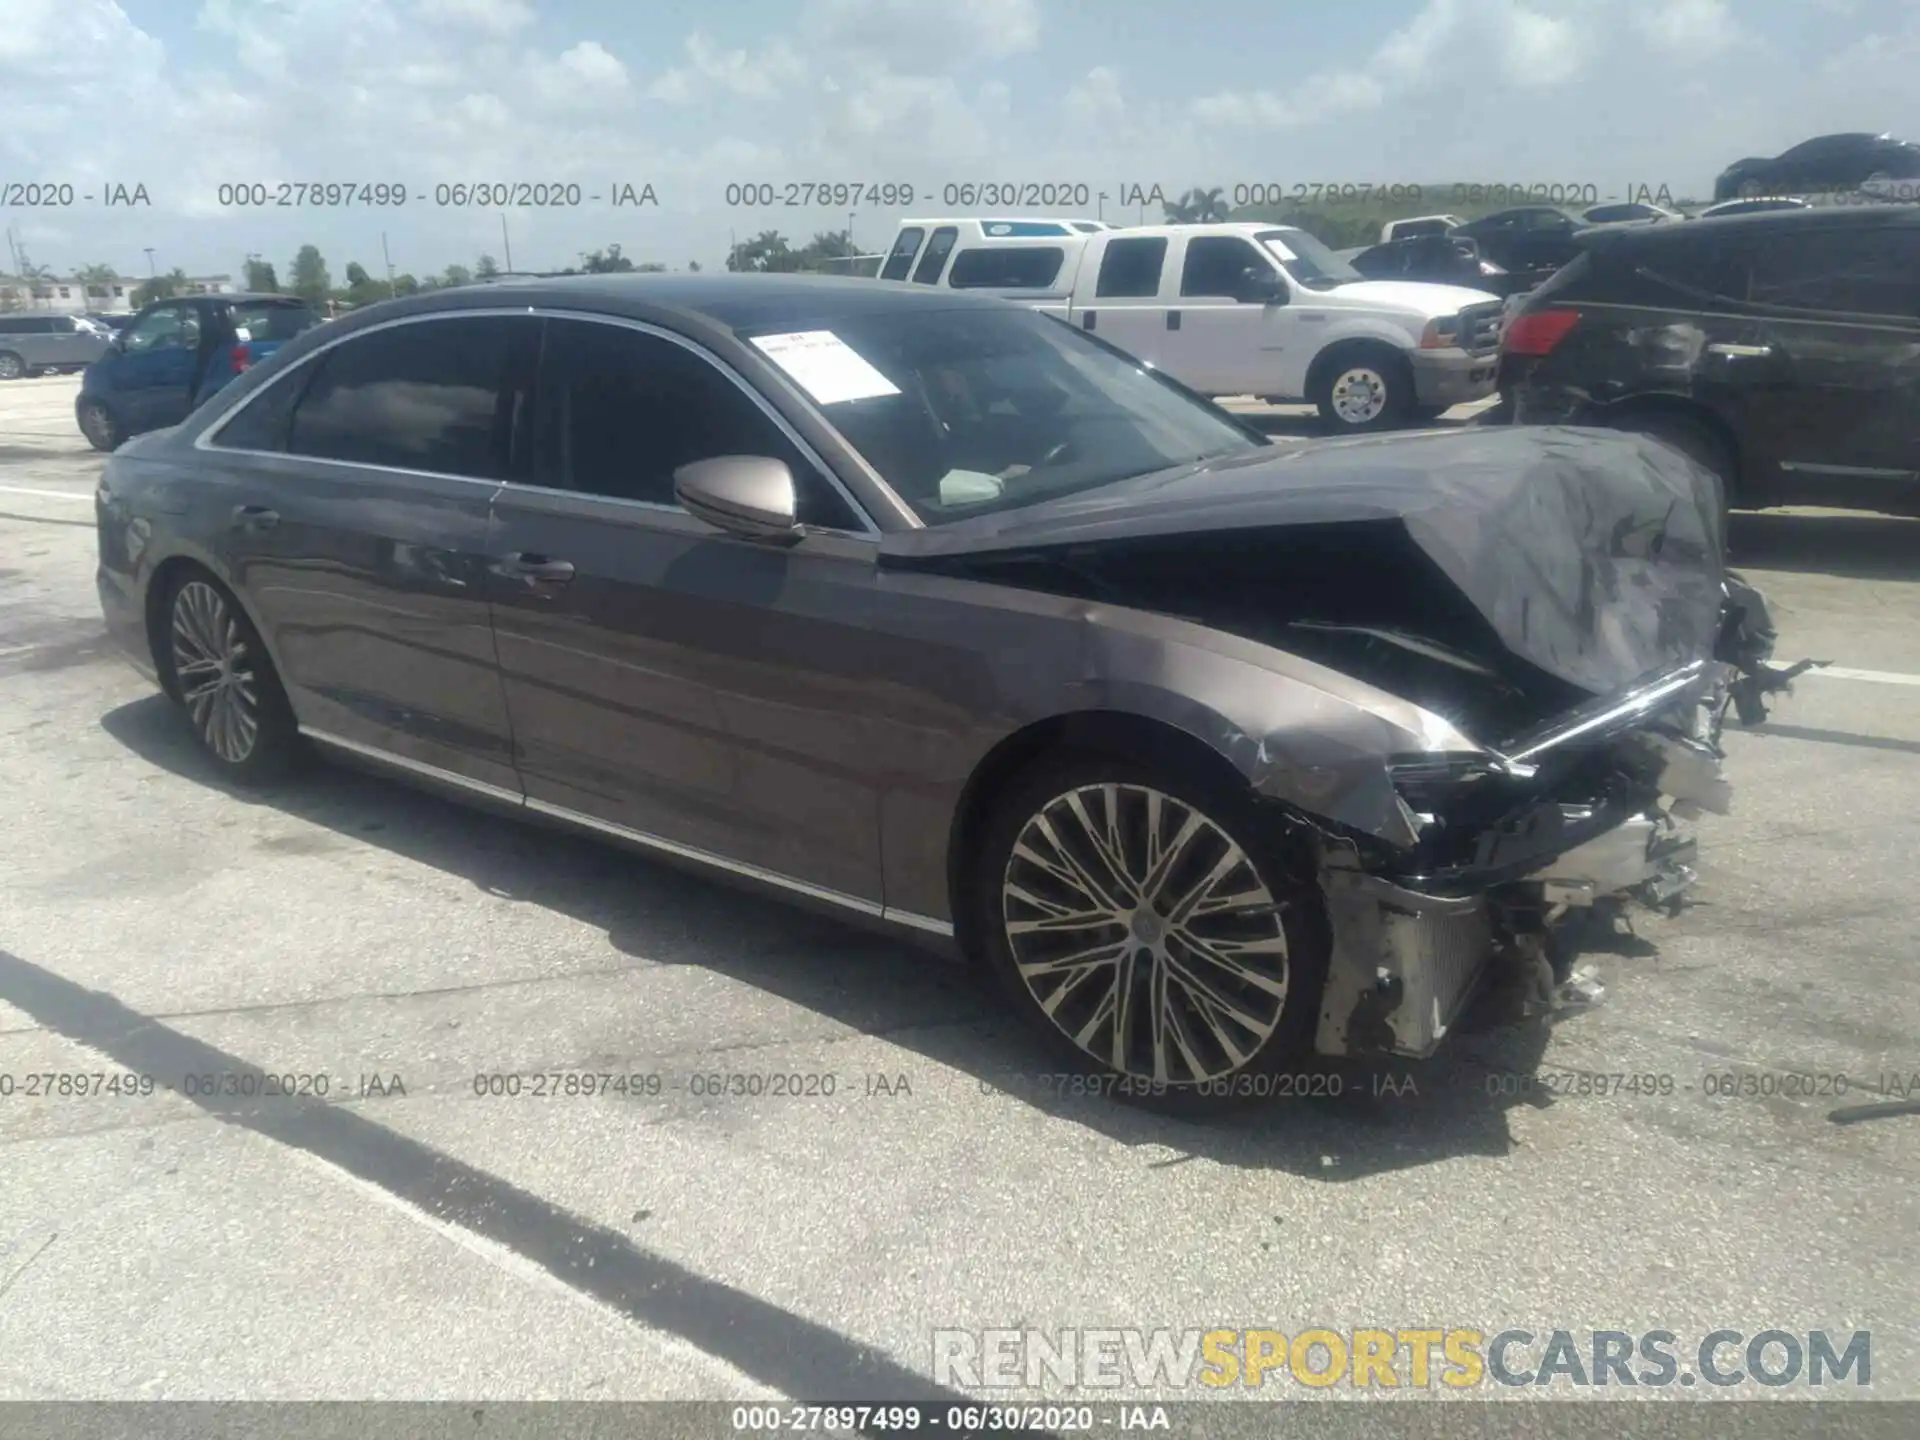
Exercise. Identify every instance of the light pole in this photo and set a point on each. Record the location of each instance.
(151, 272)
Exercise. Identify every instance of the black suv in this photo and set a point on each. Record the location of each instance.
(1824, 163)
(1782, 350)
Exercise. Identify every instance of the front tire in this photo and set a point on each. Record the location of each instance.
(219, 671)
(98, 425)
(1363, 390)
(12, 367)
(1158, 931)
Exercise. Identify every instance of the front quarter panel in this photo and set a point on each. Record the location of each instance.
(992, 661)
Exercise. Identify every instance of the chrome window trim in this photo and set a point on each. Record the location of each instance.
(640, 837)
(205, 440)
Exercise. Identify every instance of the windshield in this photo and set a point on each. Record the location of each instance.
(1308, 262)
(974, 411)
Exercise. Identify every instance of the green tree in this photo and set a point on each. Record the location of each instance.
(486, 269)
(311, 282)
(405, 284)
(1198, 206)
(260, 276)
(651, 267)
(96, 281)
(457, 275)
(767, 251)
(693, 266)
(160, 287)
(606, 262)
(362, 288)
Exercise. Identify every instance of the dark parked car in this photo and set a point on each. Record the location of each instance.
(1528, 240)
(176, 353)
(934, 611)
(1435, 259)
(1825, 164)
(1781, 350)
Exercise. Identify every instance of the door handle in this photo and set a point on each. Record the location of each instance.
(254, 517)
(1173, 319)
(1086, 320)
(1741, 352)
(534, 569)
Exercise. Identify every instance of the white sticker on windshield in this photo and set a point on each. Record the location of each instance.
(825, 366)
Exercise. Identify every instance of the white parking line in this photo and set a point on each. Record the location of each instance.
(1873, 677)
(84, 498)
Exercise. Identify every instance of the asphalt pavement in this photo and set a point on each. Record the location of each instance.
(406, 1237)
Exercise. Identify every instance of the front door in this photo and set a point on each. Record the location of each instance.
(154, 373)
(666, 680)
(1220, 344)
(358, 531)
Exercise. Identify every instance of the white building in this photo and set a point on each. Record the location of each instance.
(72, 296)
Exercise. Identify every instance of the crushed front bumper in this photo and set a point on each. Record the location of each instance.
(1410, 953)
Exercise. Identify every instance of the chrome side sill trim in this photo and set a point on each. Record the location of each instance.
(638, 837)
(417, 767)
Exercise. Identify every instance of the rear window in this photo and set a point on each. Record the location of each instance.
(1026, 268)
(271, 320)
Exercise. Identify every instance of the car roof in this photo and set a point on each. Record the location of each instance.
(1812, 217)
(731, 301)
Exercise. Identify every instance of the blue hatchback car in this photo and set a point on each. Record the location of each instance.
(176, 353)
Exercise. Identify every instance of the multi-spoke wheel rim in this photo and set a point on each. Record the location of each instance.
(10, 368)
(1145, 934)
(95, 425)
(215, 669)
(1359, 395)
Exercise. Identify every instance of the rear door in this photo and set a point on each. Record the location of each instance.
(1117, 293)
(1837, 313)
(666, 680)
(359, 532)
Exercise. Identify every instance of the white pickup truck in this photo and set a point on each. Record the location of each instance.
(1231, 309)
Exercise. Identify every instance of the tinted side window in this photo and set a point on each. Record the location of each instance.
(1026, 268)
(900, 260)
(426, 396)
(1130, 269)
(1859, 272)
(171, 327)
(927, 272)
(1699, 271)
(619, 411)
(1215, 264)
(262, 423)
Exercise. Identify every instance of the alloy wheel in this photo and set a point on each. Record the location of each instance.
(1145, 934)
(215, 668)
(97, 425)
(1359, 395)
(11, 368)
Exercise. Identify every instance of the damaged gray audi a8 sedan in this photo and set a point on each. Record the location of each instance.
(935, 611)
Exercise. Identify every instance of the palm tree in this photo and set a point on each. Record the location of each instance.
(1197, 207)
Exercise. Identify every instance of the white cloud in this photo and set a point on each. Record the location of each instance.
(492, 17)
(711, 70)
(912, 34)
(587, 75)
(1095, 100)
(1542, 50)
(1688, 27)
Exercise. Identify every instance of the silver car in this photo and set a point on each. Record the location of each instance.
(33, 343)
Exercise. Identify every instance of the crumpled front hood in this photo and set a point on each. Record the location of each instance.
(1595, 555)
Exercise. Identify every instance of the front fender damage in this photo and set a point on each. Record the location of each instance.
(1603, 824)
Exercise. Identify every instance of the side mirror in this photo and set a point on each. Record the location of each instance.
(117, 342)
(751, 496)
(1262, 287)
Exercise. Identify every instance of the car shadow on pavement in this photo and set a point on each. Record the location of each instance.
(1861, 547)
(1353, 1119)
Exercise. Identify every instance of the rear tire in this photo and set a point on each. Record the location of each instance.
(218, 670)
(1363, 389)
(1201, 895)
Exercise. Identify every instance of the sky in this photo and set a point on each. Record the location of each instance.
(184, 96)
